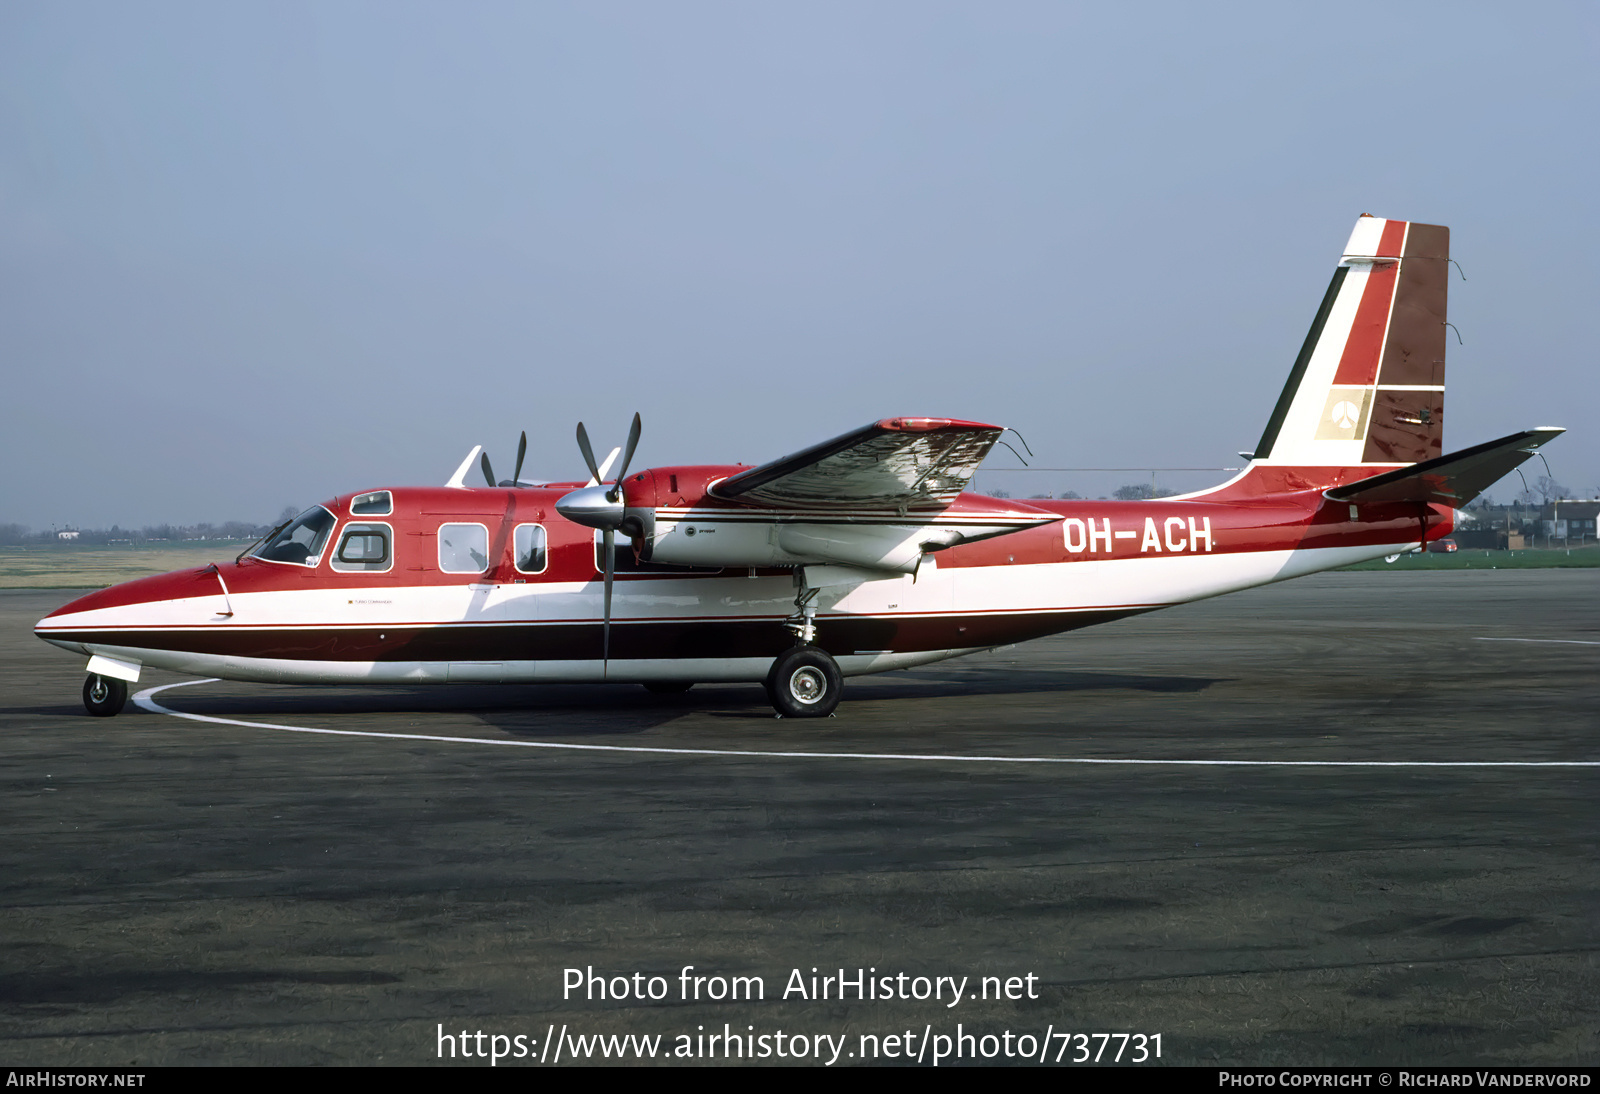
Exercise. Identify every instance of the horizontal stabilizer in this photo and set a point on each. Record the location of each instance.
(1452, 480)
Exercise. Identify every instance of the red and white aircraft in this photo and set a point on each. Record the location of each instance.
(858, 555)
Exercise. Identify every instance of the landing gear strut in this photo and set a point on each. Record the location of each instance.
(804, 682)
(104, 696)
(804, 621)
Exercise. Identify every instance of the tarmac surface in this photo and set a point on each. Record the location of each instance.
(178, 891)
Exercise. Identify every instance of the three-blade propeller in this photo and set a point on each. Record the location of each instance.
(516, 474)
(603, 507)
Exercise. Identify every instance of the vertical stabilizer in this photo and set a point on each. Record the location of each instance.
(1368, 386)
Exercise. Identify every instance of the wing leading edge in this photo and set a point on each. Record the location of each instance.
(898, 463)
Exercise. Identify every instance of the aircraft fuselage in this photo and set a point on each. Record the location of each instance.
(535, 615)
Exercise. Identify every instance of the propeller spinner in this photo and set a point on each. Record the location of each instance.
(603, 507)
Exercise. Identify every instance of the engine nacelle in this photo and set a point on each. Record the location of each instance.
(732, 541)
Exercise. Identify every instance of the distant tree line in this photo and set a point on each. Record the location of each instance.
(1543, 491)
(17, 535)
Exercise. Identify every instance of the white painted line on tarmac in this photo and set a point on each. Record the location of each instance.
(1544, 641)
(144, 699)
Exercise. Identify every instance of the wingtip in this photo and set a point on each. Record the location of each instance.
(931, 425)
(1541, 435)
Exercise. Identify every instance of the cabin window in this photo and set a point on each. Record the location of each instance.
(363, 548)
(379, 503)
(463, 548)
(302, 540)
(530, 548)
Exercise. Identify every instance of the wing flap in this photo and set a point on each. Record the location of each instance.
(1452, 480)
(901, 463)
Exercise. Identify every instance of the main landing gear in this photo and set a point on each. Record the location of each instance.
(104, 696)
(804, 682)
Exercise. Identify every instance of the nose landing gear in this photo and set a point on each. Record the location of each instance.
(104, 696)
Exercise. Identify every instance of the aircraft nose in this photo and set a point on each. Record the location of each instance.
(589, 506)
(129, 604)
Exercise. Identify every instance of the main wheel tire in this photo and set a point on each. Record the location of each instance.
(104, 696)
(805, 683)
(668, 687)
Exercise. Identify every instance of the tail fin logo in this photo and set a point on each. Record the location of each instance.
(1345, 414)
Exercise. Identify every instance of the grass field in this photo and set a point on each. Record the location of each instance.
(70, 567)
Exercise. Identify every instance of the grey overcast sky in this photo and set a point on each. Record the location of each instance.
(254, 255)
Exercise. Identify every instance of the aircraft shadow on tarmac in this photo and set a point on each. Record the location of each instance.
(551, 710)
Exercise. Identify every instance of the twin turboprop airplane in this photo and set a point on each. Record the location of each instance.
(861, 554)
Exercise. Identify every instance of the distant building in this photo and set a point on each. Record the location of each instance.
(1490, 529)
(1490, 538)
(1571, 522)
(68, 534)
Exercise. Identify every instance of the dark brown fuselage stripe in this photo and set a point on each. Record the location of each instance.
(582, 641)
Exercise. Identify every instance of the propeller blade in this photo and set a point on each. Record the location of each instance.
(588, 453)
(610, 540)
(488, 472)
(627, 456)
(522, 450)
(605, 465)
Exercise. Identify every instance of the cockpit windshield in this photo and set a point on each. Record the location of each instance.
(302, 540)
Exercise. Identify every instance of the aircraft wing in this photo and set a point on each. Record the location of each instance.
(1452, 480)
(899, 463)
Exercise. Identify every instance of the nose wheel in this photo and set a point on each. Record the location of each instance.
(804, 682)
(104, 696)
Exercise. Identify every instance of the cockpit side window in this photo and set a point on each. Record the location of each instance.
(301, 542)
(363, 548)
